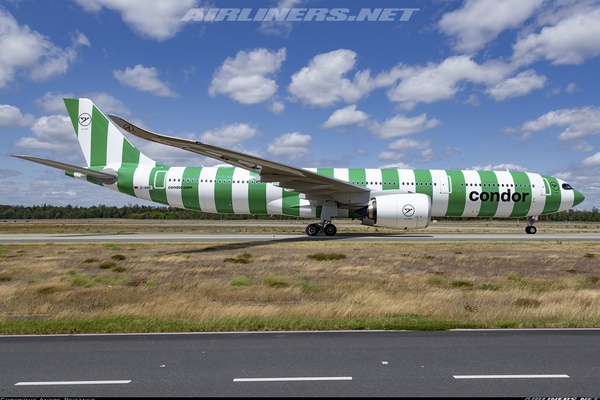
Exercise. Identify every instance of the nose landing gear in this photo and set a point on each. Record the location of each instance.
(530, 229)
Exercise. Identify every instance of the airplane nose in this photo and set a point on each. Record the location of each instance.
(579, 198)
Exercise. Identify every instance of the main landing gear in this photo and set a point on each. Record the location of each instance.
(530, 229)
(314, 229)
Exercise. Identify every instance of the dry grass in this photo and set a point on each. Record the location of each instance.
(486, 283)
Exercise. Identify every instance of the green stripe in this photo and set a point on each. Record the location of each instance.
(157, 195)
(99, 138)
(257, 195)
(325, 171)
(125, 181)
(73, 110)
(291, 203)
(553, 201)
(391, 180)
(522, 186)
(358, 176)
(456, 199)
(190, 197)
(423, 183)
(130, 153)
(488, 208)
(223, 189)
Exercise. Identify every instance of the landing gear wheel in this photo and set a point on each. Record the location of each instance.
(330, 230)
(313, 229)
(531, 230)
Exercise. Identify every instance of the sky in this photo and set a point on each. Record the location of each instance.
(450, 84)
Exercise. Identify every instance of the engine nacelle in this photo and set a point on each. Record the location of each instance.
(399, 211)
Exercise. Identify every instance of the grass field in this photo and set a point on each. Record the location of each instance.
(157, 287)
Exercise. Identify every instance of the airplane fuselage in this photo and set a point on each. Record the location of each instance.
(231, 190)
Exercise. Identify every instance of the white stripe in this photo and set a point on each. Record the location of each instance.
(175, 179)
(510, 376)
(114, 147)
(84, 133)
(373, 177)
(274, 199)
(537, 201)
(316, 378)
(207, 190)
(406, 177)
(439, 202)
(472, 208)
(342, 174)
(567, 197)
(505, 208)
(239, 191)
(72, 383)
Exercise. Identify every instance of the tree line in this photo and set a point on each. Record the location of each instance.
(46, 211)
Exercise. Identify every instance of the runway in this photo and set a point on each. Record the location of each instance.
(482, 363)
(250, 237)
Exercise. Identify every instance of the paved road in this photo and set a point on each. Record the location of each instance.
(217, 237)
(508, 363)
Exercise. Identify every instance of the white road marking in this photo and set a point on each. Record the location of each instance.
(295, 379)
(71, 383)
(510, 376)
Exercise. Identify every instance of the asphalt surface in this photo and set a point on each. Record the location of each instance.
(498, 363)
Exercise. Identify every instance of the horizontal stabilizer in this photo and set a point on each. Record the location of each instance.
(107, 176)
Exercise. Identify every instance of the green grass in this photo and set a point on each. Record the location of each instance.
(275, 281)
(242, 281)
(241, 259)
(131, 323)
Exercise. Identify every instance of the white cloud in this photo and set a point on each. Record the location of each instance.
(580, 122)
(54, 102)
(11, 117)
(144, 79)
(345, 116)
(519, 85)
(280, 28)
(53, 133)
(435, 82)
(480, 21)
(500, 167)
(399, 165)
(247, 78)
(591, 161)
(400, 125)
(407, 143)
(570, 41)
(155, 19)
(229, 135)
(323, 83)
(291, 146)
(23, 50)
(276, 107)
(397, 150)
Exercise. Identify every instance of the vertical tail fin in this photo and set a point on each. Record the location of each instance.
(101, 141)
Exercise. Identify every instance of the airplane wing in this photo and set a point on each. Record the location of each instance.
(106, 176)
(311, 184)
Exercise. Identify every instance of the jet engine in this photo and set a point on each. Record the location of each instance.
(398, 211)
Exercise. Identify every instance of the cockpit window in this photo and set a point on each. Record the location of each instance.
(566, 186)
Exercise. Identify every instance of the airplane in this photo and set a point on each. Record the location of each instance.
(390, 198)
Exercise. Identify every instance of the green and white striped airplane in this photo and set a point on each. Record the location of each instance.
(390, 198)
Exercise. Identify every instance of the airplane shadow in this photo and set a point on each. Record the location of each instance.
(299, 239)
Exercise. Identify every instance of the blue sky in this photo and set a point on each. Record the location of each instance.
(458, 85)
